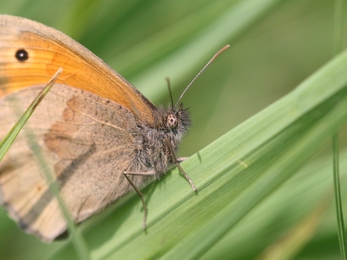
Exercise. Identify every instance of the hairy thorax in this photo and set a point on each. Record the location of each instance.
(153, 152)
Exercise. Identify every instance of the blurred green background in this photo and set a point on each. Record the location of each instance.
(275, 45)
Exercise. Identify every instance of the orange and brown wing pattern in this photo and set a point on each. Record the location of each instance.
(30, 54)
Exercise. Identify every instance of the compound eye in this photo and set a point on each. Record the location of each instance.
(171, 121)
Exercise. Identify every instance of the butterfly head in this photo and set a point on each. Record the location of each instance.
(177, 120)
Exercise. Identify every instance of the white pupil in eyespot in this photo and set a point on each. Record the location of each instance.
(172, 121)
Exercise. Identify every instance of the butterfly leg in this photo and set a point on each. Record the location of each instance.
(126, 174)
(176, 162)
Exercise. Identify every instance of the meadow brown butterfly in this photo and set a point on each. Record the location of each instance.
(100, 136)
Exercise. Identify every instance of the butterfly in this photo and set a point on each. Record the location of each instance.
(100, 137)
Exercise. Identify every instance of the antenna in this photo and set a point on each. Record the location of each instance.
(170, 92)
(197, 75)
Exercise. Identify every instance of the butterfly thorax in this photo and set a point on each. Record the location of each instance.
(153, 152)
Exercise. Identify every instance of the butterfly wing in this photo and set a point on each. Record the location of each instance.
(48, 50)
(86, 142)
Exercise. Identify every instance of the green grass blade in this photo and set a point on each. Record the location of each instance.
(338, 199)
(6, 143)
(338, 46)
(294, 156)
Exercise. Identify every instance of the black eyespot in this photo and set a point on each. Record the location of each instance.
(22, 55)
(171, 121)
